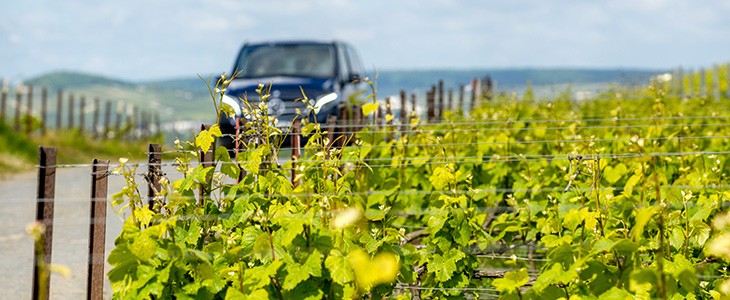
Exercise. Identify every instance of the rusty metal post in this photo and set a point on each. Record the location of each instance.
(71, 111)
(29, 112)
(154, 173)
(44, 109)
(295, 150)
(44, 216)
(441, 100)
(97, 229)
(59, 109)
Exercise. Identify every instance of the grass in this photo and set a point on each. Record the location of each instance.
(16, 151)
(19, 153)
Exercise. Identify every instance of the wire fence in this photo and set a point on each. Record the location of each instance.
(33, 114)
(100, 175)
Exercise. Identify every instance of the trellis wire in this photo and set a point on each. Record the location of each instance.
(451, 159)
(387, 129)
(413, 192)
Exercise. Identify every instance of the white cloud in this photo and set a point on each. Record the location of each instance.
(14, 38)
(168, 37)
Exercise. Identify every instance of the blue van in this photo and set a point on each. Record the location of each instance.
(327, 72)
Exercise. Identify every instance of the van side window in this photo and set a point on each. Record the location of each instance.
(355, 64)
(343, 62)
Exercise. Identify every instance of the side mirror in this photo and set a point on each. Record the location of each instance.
(353, 78)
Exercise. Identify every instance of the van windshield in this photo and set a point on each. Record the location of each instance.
(301, 60)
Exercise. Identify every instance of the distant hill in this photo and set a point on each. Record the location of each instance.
(191, 84)
(188, 98)
(70, 80)
(390, 82)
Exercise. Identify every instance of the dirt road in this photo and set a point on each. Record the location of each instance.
(70, 237)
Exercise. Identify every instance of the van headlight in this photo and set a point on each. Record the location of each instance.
(229, 101)
(323, 100)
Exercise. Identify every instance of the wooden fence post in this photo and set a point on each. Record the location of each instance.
(44, 216)
(702, 87)
(136, 122)
(460, 105)
(388, 119)
(295, 150)
(380, 116)
(157, 122)
(414, 112)
(154, 173)
(71, 111)
(18, 105)
(97, 229)
(441, 100)
(727, 78)
(357, 119)
(142, 124)
(44, 109)
(148, 124)
(59, 109)
(82, 117)
(403, 112)
(430, 105)
(450, 103)
(474, 88)
(107, 118)
(118, 119)
(343, 130)
(488, 86)
(331, 124)
(95, 119)
(205, 159)
(716, 82)
(29, 112)
(3, 101)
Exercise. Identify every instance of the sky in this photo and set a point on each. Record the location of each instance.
(142, 40)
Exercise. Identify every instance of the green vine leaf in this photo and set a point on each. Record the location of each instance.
(511, 281)
(143, 247)
(339, 268)
(369, 108)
